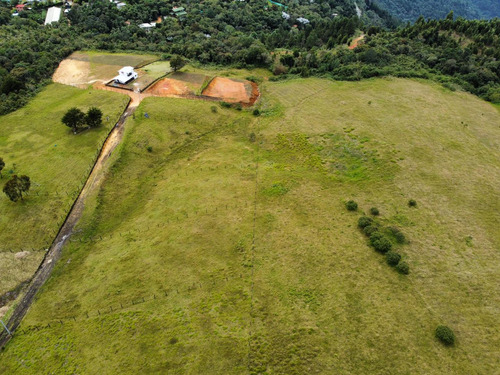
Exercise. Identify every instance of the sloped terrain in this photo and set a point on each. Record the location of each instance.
(220, 242)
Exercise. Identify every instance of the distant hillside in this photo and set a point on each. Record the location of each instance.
(410, 10)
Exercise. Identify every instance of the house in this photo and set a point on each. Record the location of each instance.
(20, 7)
(53, 15)
(125, 75)
(285, 16)
(179, 12)
(120, 5)
(147, 26)
(303, 20)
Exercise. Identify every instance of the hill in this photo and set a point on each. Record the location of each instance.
(410, 10)
(220, 242)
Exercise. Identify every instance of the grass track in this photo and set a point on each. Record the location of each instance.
(310, 296)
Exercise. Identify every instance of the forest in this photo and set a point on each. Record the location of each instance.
(455, 51)
(410, 10)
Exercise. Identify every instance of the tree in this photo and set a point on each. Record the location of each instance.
(2, 165)
(73, 119)
(16, 186)
(94, 117)
(177, 62)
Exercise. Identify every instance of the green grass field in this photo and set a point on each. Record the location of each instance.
(214, 254)
(33, 141)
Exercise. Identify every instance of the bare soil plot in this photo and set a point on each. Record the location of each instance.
(170, 87)
(85, 68)
(233, 91)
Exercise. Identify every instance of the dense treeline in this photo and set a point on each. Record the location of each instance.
(410, 10)
(456, 52)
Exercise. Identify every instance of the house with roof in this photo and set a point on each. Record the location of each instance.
(20, 7)
(147, 26)
(53, 15)
(179, 12)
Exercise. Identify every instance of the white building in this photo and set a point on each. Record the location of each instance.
(125, 75)
(303, 20)
(147, 26)
(53, 15)
(286, 16)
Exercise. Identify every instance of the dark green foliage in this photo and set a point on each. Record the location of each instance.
(392, 258)
(445, 335)
(238, 107)
(364, 221)
(397, 234)
(369, 230)
(351, 205)
(225, 104)
(213, 109)
(380, 242)
(252, 137)
(74, 118)
(374, 211)
(256, 112)
(177, 62)
(16, 186)
(412, 203)
(93, 118)
(2, 165)
(149, 148)
(173, 341)
(403, 268)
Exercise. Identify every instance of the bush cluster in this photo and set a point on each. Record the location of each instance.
(351, 205)
(445, 335)
(379, 238)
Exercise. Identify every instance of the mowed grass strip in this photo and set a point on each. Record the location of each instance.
(34, 142)
(292, 287)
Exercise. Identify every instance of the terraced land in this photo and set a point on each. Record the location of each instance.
(220, 242)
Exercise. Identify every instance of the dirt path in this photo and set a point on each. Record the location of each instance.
(357, 41)
(93, 182)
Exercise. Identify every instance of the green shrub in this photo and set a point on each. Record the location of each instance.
(392, 258)
(364, 221)
(238, 107)
(398, 235)
(252, 137)
(225, 104)
(351, 206)
(445, 335)
(374, 211)
(370, 229)
(412, 203)
(149, 148)
(213, 109)
(403, 268)
(256, 112)
(380, 242)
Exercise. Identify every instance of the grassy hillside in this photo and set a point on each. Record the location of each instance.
(33, 141)
(219, 252)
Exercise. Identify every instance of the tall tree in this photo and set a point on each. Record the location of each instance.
(74, 119)
(177, 62)
(93, 117)
(16, 186)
